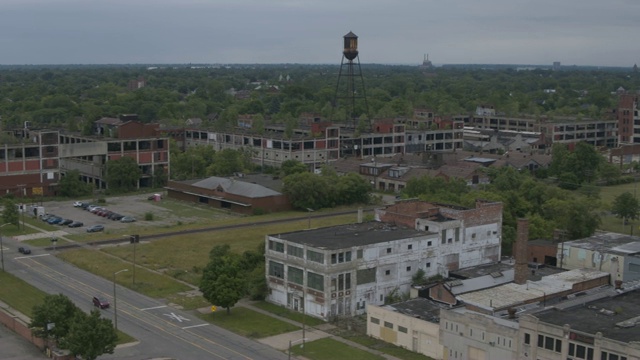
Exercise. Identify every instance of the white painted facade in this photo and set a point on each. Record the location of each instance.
(460, 247)
(466, 334)
(349, 277)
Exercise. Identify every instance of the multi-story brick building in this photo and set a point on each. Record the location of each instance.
(628, 119)
(29, 162)
(32, 161)
(564, 130)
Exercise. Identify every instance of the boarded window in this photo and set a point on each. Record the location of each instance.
(366, 276)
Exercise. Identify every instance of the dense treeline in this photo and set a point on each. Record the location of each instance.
(73, 97)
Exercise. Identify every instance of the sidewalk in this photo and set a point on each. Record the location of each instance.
(281, 342)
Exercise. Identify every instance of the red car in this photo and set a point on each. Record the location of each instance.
(101, 303)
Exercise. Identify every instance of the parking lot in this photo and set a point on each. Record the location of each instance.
(135, 206)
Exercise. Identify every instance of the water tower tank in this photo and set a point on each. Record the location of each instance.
(350, 46)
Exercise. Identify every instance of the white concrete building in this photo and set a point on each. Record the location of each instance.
(466, 236)
(337, 271)
(617, 254)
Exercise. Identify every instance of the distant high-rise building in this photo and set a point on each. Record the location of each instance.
(556, 65)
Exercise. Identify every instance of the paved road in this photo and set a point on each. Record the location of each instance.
(163, 331)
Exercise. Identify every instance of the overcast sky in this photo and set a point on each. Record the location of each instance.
(581, 32)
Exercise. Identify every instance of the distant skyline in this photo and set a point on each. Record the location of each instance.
(574, 32)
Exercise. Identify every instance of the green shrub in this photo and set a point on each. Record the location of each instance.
(148, 216)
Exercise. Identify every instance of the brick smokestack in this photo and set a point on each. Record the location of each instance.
(520, 252)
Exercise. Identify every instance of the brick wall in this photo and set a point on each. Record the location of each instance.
(20, 328)
(406, 212)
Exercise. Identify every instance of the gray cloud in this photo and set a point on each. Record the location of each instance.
(583, 32)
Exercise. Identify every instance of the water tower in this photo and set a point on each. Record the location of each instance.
(350, 91)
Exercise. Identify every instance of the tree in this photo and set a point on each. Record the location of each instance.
(352, 189)
(123, 174)
(53, 318)
(10, 213)
(289, 167)
(90, 336)
(223, 282)
(584, 162)
(306, 190)
(626, 206)
(227, 162)
(71, 185)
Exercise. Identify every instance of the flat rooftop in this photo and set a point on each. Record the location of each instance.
(420, 308)
(343, 236)
(617, 318)
(536, 271)
(508, 295)
(609, 242)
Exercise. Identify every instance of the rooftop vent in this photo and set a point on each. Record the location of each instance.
(496, 274)
(456, 282)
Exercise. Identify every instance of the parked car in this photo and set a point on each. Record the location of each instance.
(96, 210)
(100, 302)
(127, 219)
(113, 216)
(95, 228)
(24, 250)
(77, 204)
(106, 213)
(91, 207)
(76, 224)
(45, 217)
(65, 222)
(84, 205)
(54, 220)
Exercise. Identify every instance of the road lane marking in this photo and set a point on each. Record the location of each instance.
(84, 287)
(155, 307)
(180, 318)
(29, 257)
(192, 326)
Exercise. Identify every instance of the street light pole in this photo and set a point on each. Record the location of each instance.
(2, 246)
(309, 210)
(115, 301)
(134, 239)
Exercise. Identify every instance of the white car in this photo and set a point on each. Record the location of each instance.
(77, 204)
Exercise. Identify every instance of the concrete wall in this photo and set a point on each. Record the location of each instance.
(531, 325)
(476, 336)
(393, 272)
(625, 268)
(421, 336)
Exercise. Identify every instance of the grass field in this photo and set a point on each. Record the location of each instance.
(286, 313)
(18, 294)
(248, 323)
(329, 349)
(609, 221)
(147, 282)
(184, 256)
(386, 347)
